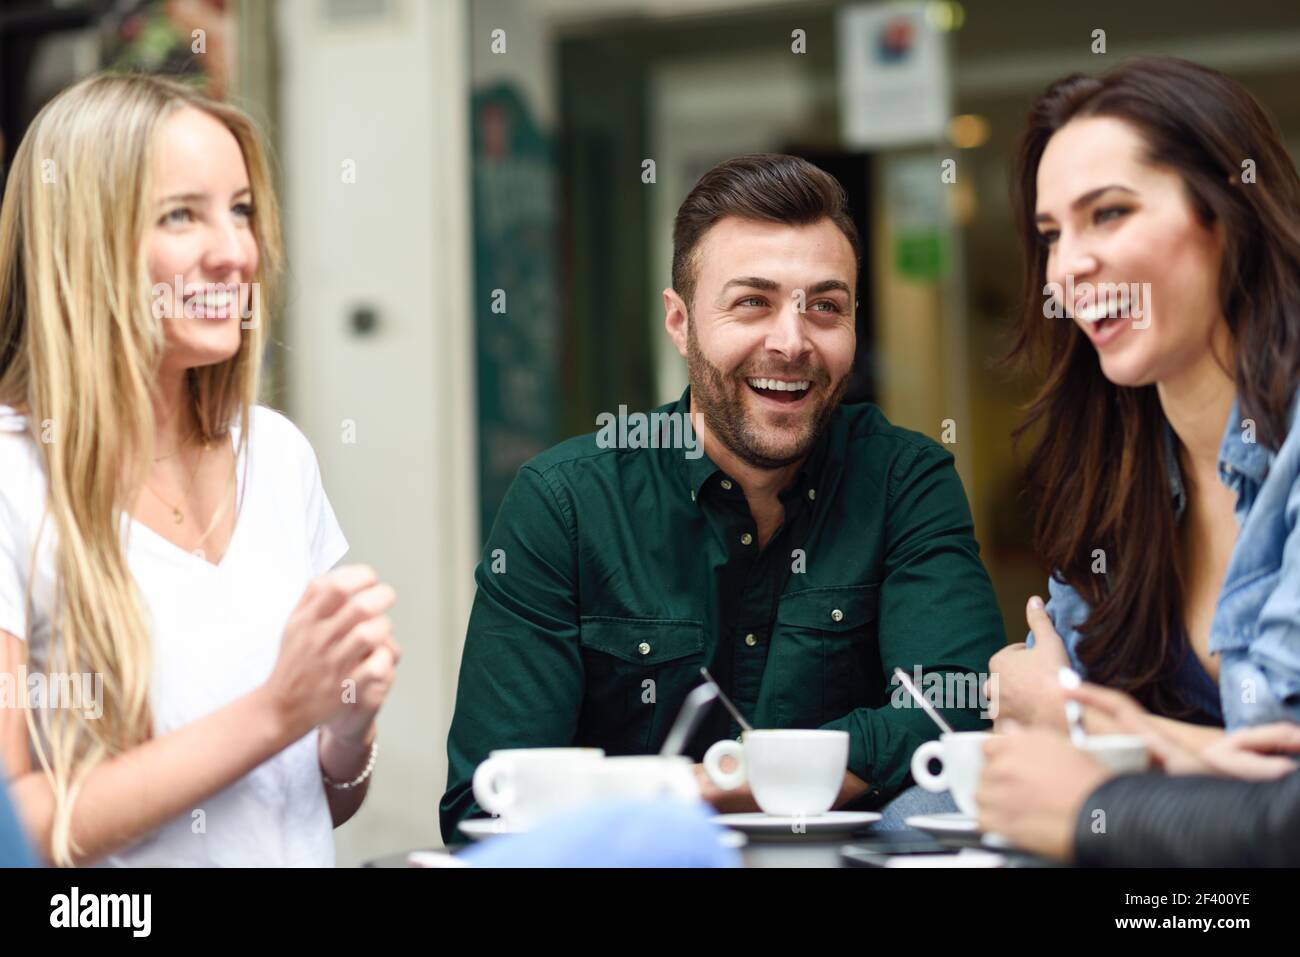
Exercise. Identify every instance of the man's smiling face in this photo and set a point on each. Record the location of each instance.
(770, 339)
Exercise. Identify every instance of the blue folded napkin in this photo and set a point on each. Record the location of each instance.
(614, 833)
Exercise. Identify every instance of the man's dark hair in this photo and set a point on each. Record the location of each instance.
(765, 186)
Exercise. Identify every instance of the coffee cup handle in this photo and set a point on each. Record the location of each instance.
(921, 759)
(493, 789)
(726, 780)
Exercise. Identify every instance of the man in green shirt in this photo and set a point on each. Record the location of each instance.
(798, 548)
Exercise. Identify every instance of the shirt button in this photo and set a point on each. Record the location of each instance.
(644, 648)
(837, 615)
(746, 539)
(726, 484)
(751, 640)
(812, 494)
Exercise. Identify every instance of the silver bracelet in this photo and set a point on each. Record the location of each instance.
(359, 779)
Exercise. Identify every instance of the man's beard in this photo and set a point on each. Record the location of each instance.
(721, 401)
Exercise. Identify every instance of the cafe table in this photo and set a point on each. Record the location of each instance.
(808, 851)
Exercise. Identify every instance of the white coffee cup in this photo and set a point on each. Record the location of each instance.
(790, 771)
(523, 785)
(645, 777)
(961, 755)
(1121, 753)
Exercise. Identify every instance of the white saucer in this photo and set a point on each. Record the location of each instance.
(832, 822)
(478, 828)
(481, 828)
(434, 859)
(949, 822)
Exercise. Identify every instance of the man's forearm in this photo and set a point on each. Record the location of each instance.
(852, 789)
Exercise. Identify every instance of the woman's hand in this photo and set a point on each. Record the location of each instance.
(1032, 788)
(1023, 685)
(1126, 716)
(1253, 754)
(373, 680)
(336, 655)
(1260, 753)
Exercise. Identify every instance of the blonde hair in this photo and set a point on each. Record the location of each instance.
(80, 351)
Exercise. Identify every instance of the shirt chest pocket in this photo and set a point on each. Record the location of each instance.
(824, 660)
(637, 671)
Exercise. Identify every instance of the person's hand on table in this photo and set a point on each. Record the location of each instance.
(1260, 753)
(1028, 690)
(1032, 788)
(740, 800)
(734, 801)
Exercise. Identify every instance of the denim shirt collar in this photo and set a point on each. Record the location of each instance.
(1241, 458)
(1240, 453)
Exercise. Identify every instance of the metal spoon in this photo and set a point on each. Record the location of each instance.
(726, 702)
(935, 716)
(1069, 678)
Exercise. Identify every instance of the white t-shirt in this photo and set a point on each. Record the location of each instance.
(216, 635)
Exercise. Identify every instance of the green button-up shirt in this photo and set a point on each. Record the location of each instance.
(611, 575)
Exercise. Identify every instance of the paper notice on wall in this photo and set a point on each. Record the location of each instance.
(894, 76)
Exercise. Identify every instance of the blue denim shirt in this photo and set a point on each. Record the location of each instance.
(1256, 626)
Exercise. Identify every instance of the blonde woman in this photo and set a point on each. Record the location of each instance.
(159, 532)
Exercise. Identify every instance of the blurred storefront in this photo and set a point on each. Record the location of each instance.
(685, 83)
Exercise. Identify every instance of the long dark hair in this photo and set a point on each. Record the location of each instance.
(1098, 470)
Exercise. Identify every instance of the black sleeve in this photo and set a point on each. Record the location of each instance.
(1150, 820)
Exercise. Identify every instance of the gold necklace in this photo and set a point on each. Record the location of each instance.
(177, 515)
(180, 448)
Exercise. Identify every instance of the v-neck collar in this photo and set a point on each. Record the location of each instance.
(171, 550)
